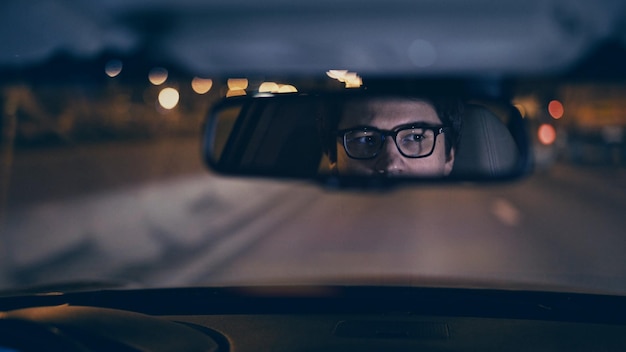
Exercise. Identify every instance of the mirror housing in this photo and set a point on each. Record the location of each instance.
(288, 136)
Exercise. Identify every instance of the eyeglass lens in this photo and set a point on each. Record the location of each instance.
(413, 142)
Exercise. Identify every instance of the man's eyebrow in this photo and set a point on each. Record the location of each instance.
(358, 127)
(420, 124)
(395, 128)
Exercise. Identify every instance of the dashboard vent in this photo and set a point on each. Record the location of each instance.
(392, 330)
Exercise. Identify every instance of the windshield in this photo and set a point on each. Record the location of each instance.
(103, 180)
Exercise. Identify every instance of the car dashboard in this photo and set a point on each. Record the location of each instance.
(313, 319)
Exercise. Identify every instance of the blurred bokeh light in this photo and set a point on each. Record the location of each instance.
(422, 53)
(237, 83)
(201, 85)
(113, 68)
(157, 76)
(546, 134)
(273, 87)
(168, 98)
(287, 88)
(268, 87)
(350, 79)
(237, 87)
(555, 108)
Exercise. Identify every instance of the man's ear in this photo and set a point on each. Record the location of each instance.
(332, 165)
(447, 168)
(327, 166)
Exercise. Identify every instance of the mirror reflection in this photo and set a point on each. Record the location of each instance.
(375, 136)
(395, 137)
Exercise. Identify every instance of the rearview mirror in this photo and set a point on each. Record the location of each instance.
(367, 138)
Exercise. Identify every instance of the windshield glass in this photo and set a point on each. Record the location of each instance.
(103, 179)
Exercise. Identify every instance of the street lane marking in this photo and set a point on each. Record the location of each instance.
(506, 212)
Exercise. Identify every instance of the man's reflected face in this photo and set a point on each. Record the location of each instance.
(392, 137)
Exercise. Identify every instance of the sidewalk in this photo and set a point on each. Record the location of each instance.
(65, 172)
(72, 238)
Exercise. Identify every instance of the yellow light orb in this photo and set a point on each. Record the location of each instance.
(168, 98)
(201, 85)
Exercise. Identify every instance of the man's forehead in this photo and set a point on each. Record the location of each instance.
(387, 113)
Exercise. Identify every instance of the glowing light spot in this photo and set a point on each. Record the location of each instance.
(113, 68)
(422, 53)
(546, 134)
(237, 83)
(268, 87)
(555, 108)
(273, 87)
(337, 74)
(235, 92)
(168, 98)
(351, 79)
(287, 88)
(157, 76)
(201, 85)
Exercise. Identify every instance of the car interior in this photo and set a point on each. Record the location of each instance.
(166, 185)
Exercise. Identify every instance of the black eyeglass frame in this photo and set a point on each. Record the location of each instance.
(394, 134)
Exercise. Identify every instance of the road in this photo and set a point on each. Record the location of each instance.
(181, 225)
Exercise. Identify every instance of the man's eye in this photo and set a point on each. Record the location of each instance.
(364, 140)
(413, 137)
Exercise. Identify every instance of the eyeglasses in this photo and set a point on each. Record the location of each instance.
(412, 141)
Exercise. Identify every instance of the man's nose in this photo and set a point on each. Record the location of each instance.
(389, 161)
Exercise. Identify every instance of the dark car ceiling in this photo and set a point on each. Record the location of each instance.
(282, 36)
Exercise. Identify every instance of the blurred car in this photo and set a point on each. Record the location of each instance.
(115, 236)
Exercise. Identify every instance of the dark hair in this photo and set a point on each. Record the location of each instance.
(449, 110)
